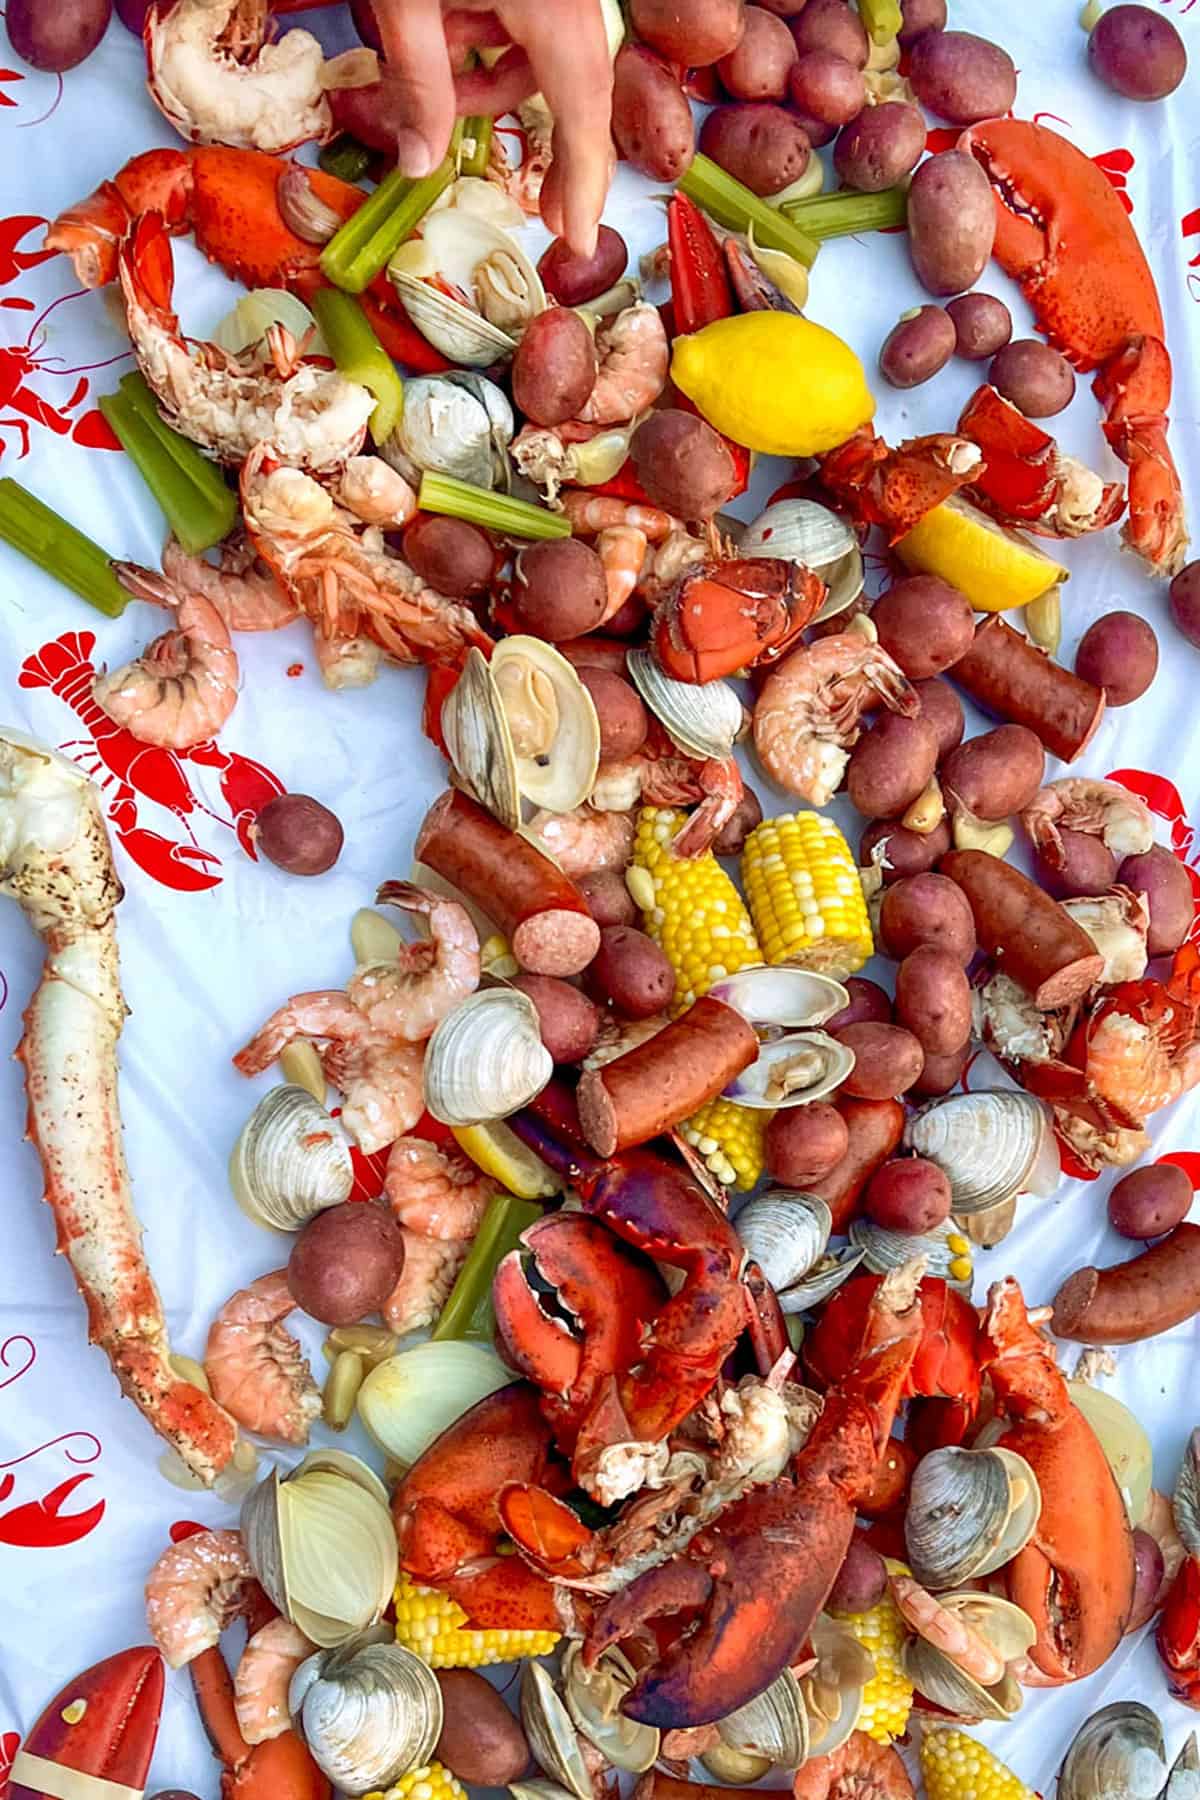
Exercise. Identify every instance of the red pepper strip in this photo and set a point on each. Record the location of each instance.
(441, 680)
(700, 285)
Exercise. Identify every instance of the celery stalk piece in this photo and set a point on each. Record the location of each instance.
(882, 19)
(39, 533)
(494, 512)
(345, 157)
(204, 474)
(468, 1310)
(735, 207)
(197, 520)
(476, 144)
(841, 215)
(354, 255)
(360, 356)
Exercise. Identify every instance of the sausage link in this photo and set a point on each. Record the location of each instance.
(666, 1079)
(1028, 935)
(875, 1127)
(1014, 680)
(1136, 1299)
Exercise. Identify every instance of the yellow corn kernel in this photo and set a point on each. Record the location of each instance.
(434, 1627)
(729, 1139)
(956, 1767)
(698, 916)
(430, 1782)
(805, 896)
(887, 1697)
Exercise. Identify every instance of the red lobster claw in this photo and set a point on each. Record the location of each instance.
(102, 1725)
(38, 1526)
(732, 615)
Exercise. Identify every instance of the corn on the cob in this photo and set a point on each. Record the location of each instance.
(430, 1782)
(887, 1697)
(434, 1627)
(698, 916)
(956, 1767)
(729, 1138)
(805, 896)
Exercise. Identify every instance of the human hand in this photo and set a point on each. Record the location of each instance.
(558, 47)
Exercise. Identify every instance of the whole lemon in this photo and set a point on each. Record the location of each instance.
(774, 382)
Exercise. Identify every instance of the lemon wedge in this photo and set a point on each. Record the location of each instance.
(774, 382)
(497, 1150)
(994, 567)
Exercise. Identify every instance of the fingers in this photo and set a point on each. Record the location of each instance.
(497, 90)
(414, 47)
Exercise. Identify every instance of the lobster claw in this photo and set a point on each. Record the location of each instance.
(727, 616)
(1026, 480)
(101, 1726)
(895, 489)
(1178, 1636)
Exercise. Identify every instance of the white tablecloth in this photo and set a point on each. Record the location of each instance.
(201, 969)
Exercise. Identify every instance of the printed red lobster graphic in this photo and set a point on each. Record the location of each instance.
(21, 405)
(39, 1524)
(1164, 798)
(126, 770)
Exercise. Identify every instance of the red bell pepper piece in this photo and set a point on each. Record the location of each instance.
(700, 285)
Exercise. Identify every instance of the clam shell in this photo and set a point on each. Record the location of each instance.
(552, 722)
(593, 1699)
(826, 1278)
(1118, 1751)
(479, 743)
(885, 1250)
(782, 996)
(1126, 1447)
(805, 532)
(833, 1690)
(810, 1064)
(990, 1145)
(950, 1687)
(705, 718)
(785, 1232)
(479, 258)
(290, 1161)
(454, 329)
(1185, 1501)
(370, 1713)
(456, 424)
(551, 1732)
(774, 1724)
(486, 1059)
(1010, 1631)
(969, 1513)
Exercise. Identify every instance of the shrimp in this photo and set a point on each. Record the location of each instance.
(409, 998)
(260, 1683)
(622, 551)
(242, 589)
(669, 560)
(662, 776)
(524, 183)
(808, 714)
(378, 1076)
(860, 1770)
(374, 492)
(585, 840)
(215, 78)
(590, 513)
(255, 1368)
(195, 1589)
(947, 1631)
(436, 1193)
(347, 662)
(1100, 809)
(634, 357)
(431, 1268)
(184, 685)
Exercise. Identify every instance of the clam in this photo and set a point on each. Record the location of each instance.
(593, 1698)
(1118, 1752)
(969, 1513)
(1010, 1631)
(793, 1070)
(1183, 1783)
(370, 1713)
(774, 1724)
(951, 1688)
(782, 997)
(825, 1277)
(785, 1232)
(1185, 1501)
(486, 1059)
(451, 327)
(990, 1145)
(833, 1688)
(551, 1732)
(883, 1250)
(290, 1161)
(1123, 1439)
(704, 718)
(479, 743)
(803, 532)
(552, 722)
(478, 259)
(457, 424)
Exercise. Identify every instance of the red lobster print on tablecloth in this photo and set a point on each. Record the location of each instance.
(41, 1524)
(128, 771)
(21, 364)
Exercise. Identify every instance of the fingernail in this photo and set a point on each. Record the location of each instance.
(413, 156)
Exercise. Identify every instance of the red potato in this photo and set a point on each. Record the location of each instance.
(804, 1143)
(868, 1002)
(941, 1074)
(568, 1021)
(908, 1194)
(944, 711)
(623, 718)
(1088, 867)
(917, 347)
(607, 898)
(1136, 1299)
(1027, 933)
(481, 1740)
(862, 1581)
(1137, 53)
(783, 9)
(996, 774)
(891, 765)
(560, 591)
(961, 77)
(831, 25)
(346, 1262)
(924, 624)
(452, 556)
(554, 369)
(1150, 1568)
(919, 16)
(665, 1080)
(951, 222)
(1163, 879)
(1150, 1201)
(897, 852)
(651, 120)
(880, 147)
(1012, 679)
(572, 279)
(933, 1000)
(982, 323)
(758, 69)
(686, 33)
(631, 973)
(887, 1060)
(1118, 653)
(824, 86)
(926, 909)
(762, 146)
(298, 834)
(56, 35)
(1184, 601)
(684, 466)
(1034, 377)
(746, 815)
(875, 1127)
(815, 130)
(629, 619)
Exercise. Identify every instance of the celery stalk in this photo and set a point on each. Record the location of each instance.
(824, 216)
(355, 254)
(360, 356)
(495, 512)
(476, 145)
(468, 1310)
(735, 207)
(39, 533)
(882, 19)
(345, 157)
(196, 517)
(204, 474)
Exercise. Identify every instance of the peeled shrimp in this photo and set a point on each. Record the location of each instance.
(439, 1199)
(947, 1632)
(1100, 809)
(587, 839)
(255, 1368)
(374, 492)
(184, 685)
(622, 552)
(409, 998)
(214, 76)
(674, 780)
(667, 561)
(242, 589)
(378, 1076)
(634, 358)
(860, 1770)
(590, 513)
(431, 1268)
(195, 1589)
(260, 1684)
(808, 714)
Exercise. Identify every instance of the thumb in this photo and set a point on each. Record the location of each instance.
(420, 80)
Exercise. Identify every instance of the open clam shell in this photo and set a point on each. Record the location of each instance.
(486, 1059)
(1120, 1750)
(457, 424)
(969, 1513)
(593, 1698)
(370, 1713)
(951, 1688)
(464, 250)
(833, 1689)
(774, 1724)
(704, 718)
(793, 1070)
(990, 1145)
(459, 333)
(782, 998)
(1009, 1630)
(803, 531)
(785, 1231)
(884, 1250)
(553, 725)
(825, 1278)
(479, 743)
(290, 1162)
(551, 1732)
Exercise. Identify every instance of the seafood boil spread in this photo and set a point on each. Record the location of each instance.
(615, 1294)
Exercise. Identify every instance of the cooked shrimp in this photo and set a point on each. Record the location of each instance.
(374, 492)
(622, 551)
(255, 1368)
(260, 1684)
(587, 839)
(634, 357)
(431, 1268)
(434, 1192)
(671, 779)
(214, 76)
(808, 714)
(195, 1589)
(378, 1076)
(1100, 809)
(409, 998)
(947, 1631)
(242, 589)
(860, 1770)
(1141, 1062)
(346, 662)
(667, 561)
(590, 513)
(184, 685)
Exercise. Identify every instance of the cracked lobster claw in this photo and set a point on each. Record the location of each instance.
(97, 1735)
(894, 489)
(1026, 479)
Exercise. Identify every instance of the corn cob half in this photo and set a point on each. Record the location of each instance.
(729, 1138)
(434, 1627)
(957, 1767)
(430, 1782)
(887, 1697)
(805, 896)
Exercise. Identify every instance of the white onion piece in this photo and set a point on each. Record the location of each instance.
(409, 1400)
(263, 307)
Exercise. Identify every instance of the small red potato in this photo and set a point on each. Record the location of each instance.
(758, 69)
(451, 556)
(803, 1143)
(944, 711)
(917, 347)
(1119, 653)
(683, 464)
(908, 1194)
(996, 774)
(1163, 879)
(924, 623)
(1038, 381)
(919, 16)
(862, 1581)
(298, 834)
(868, 1003)
(1089, 867)
(346, 1262)
(630, 973)
(692, 35)
(1185, 601)
(1136, 52)
(824, 86)
(568, 1021)
(607, 898)
(554, 369)
(481, 1740)
(762, 146)
(904, 852)
(961, 77)
(572, 279)
(926, 909)
(941, 1074)
(652, 123)
(887, 1060)
(831, 25)
(983, 325)
(56, 35)
(623, 718)
(933, 1000)
(951, 221)
(560, 591)
(891, 765)
(1149, 1202)
(731, 839)
(880, 147)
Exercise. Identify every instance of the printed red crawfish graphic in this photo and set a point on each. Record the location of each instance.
(1164, 799)
(128, 771)
(21, 403)
(40, 1524)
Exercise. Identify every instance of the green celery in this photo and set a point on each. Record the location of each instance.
(735, 207)
(355, 254)
(39, 533)
(197, 519)
(882, 19)
(360, 356)
(494, 512)
(468, 1310)
(204, 474)
(476, 144)
(841, 215)
(345, 157)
